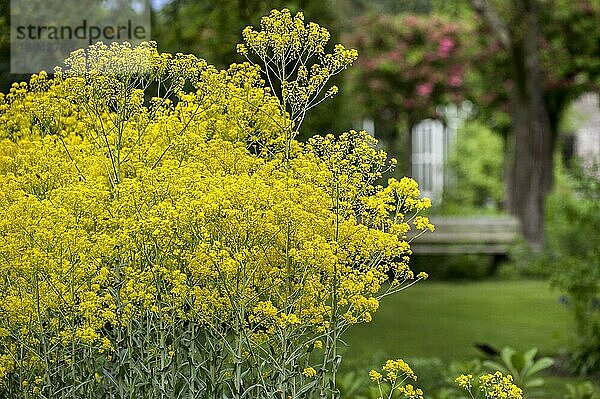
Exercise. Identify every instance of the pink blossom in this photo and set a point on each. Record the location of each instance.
(394, 56)
(455, 79)
(494, 46)
(424, 89)
(430, 57)
(445, 47)
(456, 76)
(408, 103)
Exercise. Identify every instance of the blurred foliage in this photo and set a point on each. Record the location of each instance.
(571, 257)
(584, 390)
(476, 163)
(454, 267)
(405, 51)
(521, 61)
(410, 64)
(523, 366)
(211, 29)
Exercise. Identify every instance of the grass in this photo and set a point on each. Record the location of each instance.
(445, 319)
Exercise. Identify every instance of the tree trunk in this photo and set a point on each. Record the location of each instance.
(534, 142)
(508, 175)
(530, 175)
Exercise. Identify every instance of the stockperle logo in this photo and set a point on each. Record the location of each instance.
(44, 32)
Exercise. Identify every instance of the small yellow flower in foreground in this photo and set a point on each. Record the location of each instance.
(375, 376)
(392, 376)
(464, 381)
(498, 385)
(309, 372)
(393, 366)
(318, 344)
(422, 276)
(410, 392)
(241, 49)
(422, 223)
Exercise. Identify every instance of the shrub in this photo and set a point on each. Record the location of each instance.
(584, 390)
(572, 261)
(476, 161)
(165, 235)
(454, 267)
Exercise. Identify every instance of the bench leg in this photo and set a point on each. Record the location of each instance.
(494, 263)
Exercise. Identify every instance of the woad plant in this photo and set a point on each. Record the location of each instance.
(164, 235)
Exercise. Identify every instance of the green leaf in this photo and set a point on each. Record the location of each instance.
(508, 354)
(490, 364)
(536, 382)
(540, 365)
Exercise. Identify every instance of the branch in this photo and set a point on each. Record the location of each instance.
(493, 19)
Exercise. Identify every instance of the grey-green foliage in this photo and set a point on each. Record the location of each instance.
(523, 366)
(476, 163)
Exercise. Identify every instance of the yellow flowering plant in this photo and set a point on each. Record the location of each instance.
(165, 235)
(490, 386)
(391, 381)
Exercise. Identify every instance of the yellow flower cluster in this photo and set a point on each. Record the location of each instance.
(393, 374)
(499, 386)
(375, 375)
(292, 53)
(194, 212)
(411, 392)
(394, 368)
(464, 381)
(282, 35)
(309, 372)
(493, 386)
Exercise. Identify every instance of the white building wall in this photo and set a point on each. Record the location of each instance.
(428, 157)
(587, 128)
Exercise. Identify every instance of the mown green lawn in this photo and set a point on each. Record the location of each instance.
(445, 319)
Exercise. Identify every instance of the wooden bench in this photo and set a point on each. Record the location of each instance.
(488, 235)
